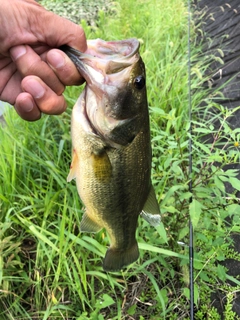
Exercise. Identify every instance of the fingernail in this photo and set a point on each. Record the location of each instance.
(28, 106)
(17, 52)
(24, 105)
(34, 88)
(56, 60)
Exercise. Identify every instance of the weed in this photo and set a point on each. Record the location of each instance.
(48, 270)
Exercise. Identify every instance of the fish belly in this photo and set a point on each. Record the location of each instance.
(113, 185)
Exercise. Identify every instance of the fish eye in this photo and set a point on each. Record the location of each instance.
(139, 82)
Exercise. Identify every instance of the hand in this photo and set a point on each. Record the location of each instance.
(32, 74)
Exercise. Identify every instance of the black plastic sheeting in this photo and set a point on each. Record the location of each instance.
(219, 22)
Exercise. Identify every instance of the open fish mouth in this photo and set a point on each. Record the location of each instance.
(104, 58)
(107, 67)
(104, 50)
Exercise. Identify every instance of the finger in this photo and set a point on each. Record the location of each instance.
(4, 62)
(7, 70)
(26, 107)
(12, 87)
(60, 31)
(64, 68)
(44, 97)
(28, 62)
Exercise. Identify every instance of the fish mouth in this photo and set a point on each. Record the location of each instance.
(104, 61)
(107, 67)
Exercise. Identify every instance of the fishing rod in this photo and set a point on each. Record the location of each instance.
(191, 253)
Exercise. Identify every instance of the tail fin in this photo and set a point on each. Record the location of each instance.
(116, 259)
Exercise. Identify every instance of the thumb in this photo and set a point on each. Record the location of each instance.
(56, 31)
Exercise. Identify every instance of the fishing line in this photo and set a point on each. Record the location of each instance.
(191, 258)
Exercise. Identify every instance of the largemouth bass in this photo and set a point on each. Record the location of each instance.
(111, 158)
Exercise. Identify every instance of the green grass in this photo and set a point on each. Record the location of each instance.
(48, 270)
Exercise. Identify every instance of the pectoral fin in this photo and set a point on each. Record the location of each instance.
(73, 168)
(101, 166)
(88, 225)
(151, 211)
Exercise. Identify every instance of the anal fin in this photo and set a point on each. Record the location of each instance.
(151, 211)
(88, 225)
